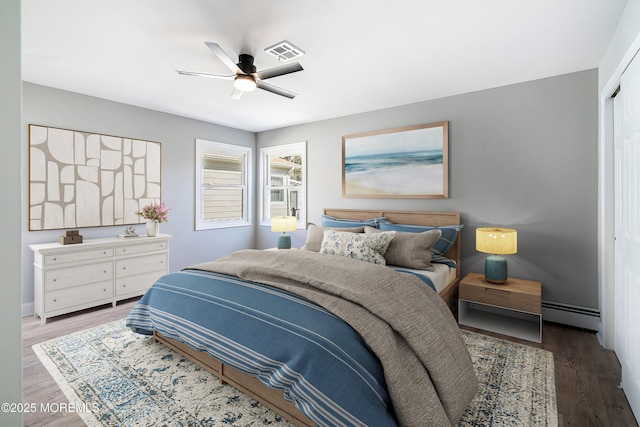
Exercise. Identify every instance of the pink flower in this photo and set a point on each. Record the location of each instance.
(155, 212)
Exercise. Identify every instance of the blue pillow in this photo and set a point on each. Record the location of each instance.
(441, 246)
(329, 221)
(439, 259)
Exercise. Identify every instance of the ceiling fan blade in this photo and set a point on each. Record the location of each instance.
(236, 94)
(275, 89)
(279, 71)
(211, 76)
(222, 55)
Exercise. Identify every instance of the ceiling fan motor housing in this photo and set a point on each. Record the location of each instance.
(246, 63)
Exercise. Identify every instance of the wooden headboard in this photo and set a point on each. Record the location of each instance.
(434, 219)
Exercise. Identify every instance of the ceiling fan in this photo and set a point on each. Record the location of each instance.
(245, 76)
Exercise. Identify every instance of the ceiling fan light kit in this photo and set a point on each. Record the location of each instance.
(245, 76)
(244, 83)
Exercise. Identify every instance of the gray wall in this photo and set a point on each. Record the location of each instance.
(521, 156)
(52, 107)
(10, 210)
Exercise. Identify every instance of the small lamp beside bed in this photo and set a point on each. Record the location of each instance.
(282, 224)
(496, 241)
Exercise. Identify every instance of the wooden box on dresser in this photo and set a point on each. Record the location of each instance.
(69, 278)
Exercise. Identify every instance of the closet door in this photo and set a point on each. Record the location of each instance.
(627, 231)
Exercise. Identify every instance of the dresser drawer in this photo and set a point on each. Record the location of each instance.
(138, 284)
(142, 264)
(493, 295)
(73, 276)
(78, 295)
(93, 255)
(142, 248)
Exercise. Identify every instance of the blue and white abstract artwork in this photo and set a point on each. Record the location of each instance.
(408, 162)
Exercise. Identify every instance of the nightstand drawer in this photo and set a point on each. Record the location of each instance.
(512, 309)
(493, 295)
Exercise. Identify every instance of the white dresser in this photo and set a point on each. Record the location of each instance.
(74, 277)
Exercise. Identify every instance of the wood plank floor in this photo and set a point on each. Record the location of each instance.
(587, 375)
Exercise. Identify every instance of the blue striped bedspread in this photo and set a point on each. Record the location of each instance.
(285, 341)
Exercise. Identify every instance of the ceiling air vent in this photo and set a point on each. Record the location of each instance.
(284, 51)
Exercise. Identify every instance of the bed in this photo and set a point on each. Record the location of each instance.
(321, 343)
(448, 288)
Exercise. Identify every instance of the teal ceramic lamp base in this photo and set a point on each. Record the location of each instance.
(284, 241)
(495, 269)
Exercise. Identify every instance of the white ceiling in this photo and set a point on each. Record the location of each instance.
(361, 55)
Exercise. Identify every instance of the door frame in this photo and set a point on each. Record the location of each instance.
(606, 225)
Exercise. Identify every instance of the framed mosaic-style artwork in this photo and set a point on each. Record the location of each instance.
(83, 179)
(407, 162)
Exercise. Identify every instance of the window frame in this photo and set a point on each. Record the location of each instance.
(204, 147)
(265, 179)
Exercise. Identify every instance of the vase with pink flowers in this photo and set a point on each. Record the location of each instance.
(154, 213)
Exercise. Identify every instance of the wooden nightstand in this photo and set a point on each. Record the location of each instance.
(512, 309)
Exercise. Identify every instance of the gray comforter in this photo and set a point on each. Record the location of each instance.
(427, 366)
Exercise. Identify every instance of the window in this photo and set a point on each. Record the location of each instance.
(283, 182)
(223, 175)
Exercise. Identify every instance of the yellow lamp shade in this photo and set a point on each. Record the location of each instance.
(282, 224)
(497, 241)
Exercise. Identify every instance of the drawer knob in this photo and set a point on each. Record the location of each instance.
(55, 280)
(124, 268)
(55, 300)
(55, 259)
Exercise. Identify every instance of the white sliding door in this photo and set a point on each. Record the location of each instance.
(627, 231)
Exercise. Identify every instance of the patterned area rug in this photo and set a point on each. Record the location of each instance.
(113, 377)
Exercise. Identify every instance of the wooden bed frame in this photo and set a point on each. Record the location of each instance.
(273, 398)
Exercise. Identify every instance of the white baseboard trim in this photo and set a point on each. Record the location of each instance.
(566, 314)
(28, 309)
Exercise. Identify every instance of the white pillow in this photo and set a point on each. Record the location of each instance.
(365, 247)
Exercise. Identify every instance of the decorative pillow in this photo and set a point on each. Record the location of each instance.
(315, 234)
(329, 221)
(365, 247)
(410, 250)
(439, 259)
(444, 243)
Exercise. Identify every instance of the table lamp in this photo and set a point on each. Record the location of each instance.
(496, 241)
(282, 224)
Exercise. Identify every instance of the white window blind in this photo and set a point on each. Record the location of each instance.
(222, 185)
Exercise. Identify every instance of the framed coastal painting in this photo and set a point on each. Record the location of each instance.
(406, 162)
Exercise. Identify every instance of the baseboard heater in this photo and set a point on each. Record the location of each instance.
(566, 314)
